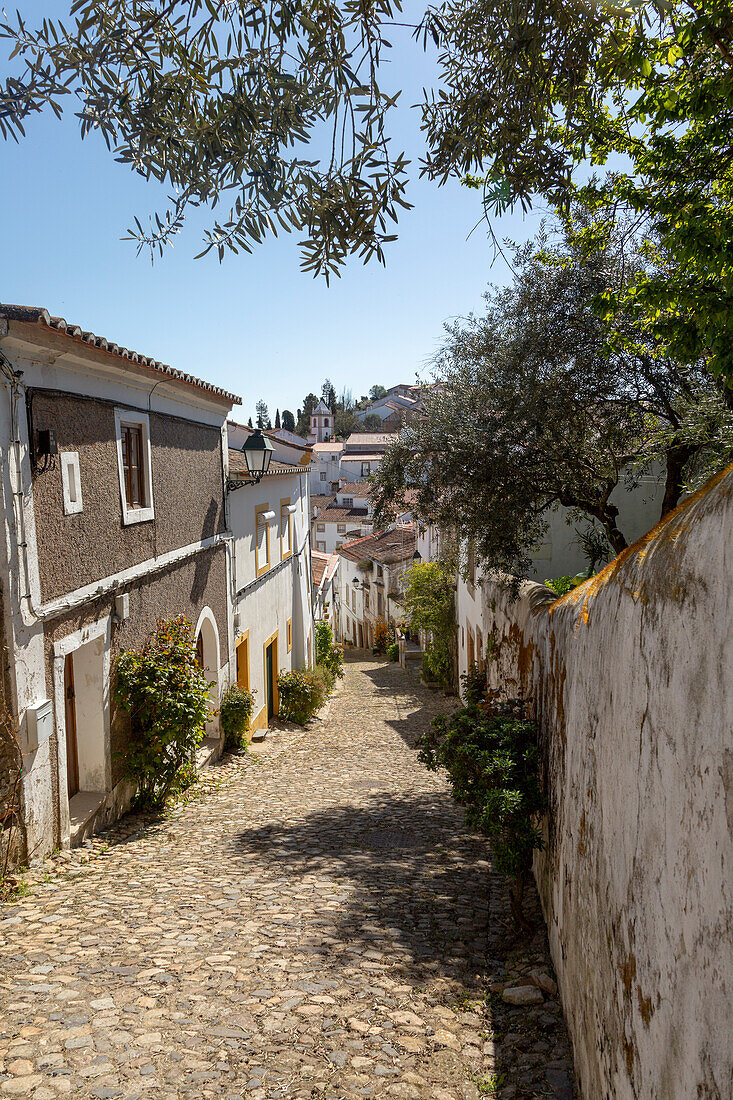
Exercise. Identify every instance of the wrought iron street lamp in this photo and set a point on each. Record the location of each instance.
(257, 453)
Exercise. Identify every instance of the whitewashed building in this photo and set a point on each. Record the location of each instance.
(372, 581)
(325, 569)
(272, 622)
(325, 468)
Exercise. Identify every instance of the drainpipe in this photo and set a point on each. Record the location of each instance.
(16, 390)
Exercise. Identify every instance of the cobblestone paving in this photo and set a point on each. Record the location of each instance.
(315, 922)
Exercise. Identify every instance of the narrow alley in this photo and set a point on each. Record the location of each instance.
(313, 921)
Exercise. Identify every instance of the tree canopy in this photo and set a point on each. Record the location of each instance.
(276, 115)
(534, 410)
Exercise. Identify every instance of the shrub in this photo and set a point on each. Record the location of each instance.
(563, 585)
(393, 651)
(328, 655)
(381, 636)
(302, 692)
(236, 711)
(429, 606)
(166, 695)
(474, 685)
(489, 750)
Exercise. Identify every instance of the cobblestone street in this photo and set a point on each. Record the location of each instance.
(313, 921)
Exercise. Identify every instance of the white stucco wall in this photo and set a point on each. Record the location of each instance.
(263, 605)
(631, 680)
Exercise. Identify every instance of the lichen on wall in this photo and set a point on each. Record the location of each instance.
(631, 679)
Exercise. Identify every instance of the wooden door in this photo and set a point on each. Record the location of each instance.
(243, 663)
(269, 680)
(72, 755)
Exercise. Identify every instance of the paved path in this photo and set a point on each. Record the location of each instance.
(313, 923)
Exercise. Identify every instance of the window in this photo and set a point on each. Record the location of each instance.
(286, 528)
(379, 571)
(366, 601)
(290, 634)
(71, 483)
(380, 603)
(323, 475)
(262, 538)
(325, 422)
(348, 502)
(321, 546)
(321, 527)
(134, 465)
(341, 528)
(365, 471)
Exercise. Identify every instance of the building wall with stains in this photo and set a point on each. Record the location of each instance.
(631, 680)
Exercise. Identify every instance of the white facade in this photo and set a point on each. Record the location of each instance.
(325, 590)
(51, 361)
(325, 468)
(271, 588)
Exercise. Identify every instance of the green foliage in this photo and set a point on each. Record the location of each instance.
(328, 655)
(166, 695)
(236, 712)
(371, 423)
(489, 750)
(377, 392)
(288, 420)
(566, 419)
(473, 686)
(393, 651)
(429, 606)
(219, 103)
(303, 692)
(530, 92)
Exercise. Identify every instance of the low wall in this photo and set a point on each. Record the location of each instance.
(631, 677)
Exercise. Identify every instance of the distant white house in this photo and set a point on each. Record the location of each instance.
(372, 580)
(324, 575)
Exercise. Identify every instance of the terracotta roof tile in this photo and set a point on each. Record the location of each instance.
(36, 315)
(387, 547)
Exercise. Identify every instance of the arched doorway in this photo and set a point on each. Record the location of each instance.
(207, 652)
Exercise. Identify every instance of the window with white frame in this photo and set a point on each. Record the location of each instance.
(321, 546)
(348, 502)
(71, 483)
(323, 475)
(132, 430)
(286, 528)
(263, 515)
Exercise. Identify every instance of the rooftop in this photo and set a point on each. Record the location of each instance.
(363, 456)
(332, 446)
(388, 547)
(371, 439)
(361, 489)
(338, 514)
(323, 565)
(37, 315)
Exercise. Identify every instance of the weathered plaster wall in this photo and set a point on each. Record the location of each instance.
(632, 683)
(187, 493)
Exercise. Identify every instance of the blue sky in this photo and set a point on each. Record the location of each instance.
(253, 324)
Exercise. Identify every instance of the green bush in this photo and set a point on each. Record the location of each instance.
(429, 606)
(474, 685)
(166, 695)
(236, 711)
(489, 750)
(328, 655)
(393, 651)
(562, 585)
(302, 693)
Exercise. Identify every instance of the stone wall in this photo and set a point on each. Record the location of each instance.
(632, 682)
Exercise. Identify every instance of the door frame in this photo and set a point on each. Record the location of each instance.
(271, 641)
(242, 642)
(102, 628)
(72, 757)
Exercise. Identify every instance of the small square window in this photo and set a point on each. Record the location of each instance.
(348, 502)
(71, 483)
(320, 527)
(341, 528)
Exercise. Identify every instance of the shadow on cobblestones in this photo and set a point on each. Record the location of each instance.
(417, 888)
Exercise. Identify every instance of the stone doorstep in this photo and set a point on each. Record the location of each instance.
(83, 808)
